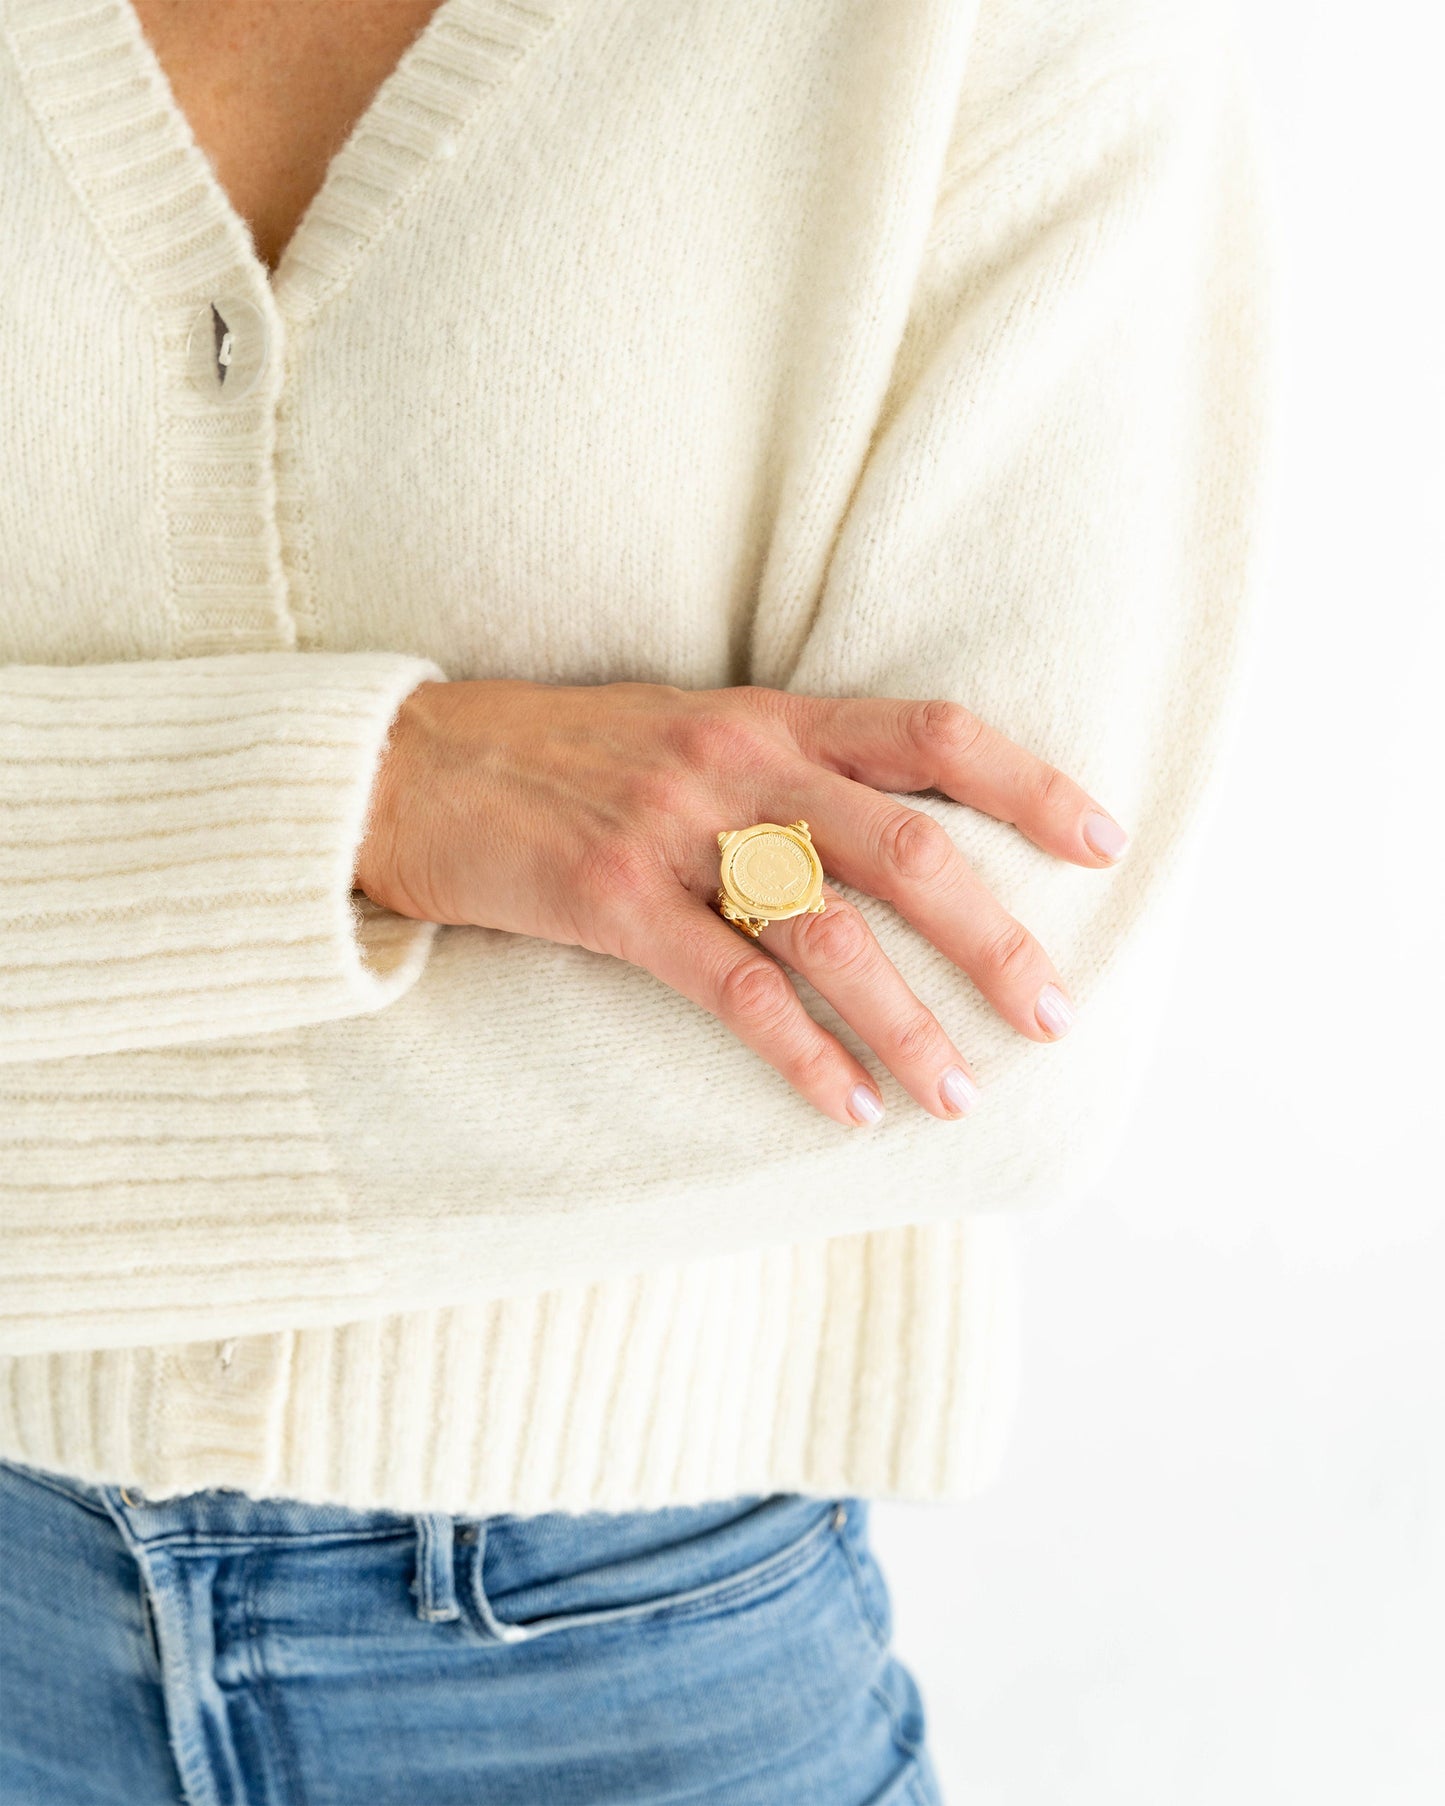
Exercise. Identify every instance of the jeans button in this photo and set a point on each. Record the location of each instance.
(228, 348)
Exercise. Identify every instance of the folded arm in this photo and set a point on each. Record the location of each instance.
(1056, 525)
(1054, 529)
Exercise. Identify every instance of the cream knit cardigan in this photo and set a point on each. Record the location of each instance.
(900, 347)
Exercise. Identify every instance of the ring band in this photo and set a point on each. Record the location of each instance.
(767, 873)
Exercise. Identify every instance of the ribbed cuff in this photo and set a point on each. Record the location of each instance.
(179, 843)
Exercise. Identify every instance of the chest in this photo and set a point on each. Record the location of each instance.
(271, 90)
(567, 371)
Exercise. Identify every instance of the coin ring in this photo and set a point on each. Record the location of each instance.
(772, 870)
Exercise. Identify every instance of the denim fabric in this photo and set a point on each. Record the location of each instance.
(220, 1650)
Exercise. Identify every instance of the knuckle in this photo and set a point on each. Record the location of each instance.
(764, 703)
(918, 848)
(711, 738)
(1053, 791)
(917, 1038)
(837, 938)
(1008, 953)
(948, 726)
(811, 1063)
(756, 992)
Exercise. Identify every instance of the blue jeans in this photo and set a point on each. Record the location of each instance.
(222, 1650)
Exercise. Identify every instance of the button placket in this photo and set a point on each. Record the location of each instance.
(224, 320)
(224, 1394)
(226, 356)
(228, 347)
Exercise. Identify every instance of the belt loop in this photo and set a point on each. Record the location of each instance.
(495, 1626)
(435, 1584)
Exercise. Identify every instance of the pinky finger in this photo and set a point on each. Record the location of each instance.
(690, 947)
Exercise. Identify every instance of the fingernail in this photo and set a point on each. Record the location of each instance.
(958, 1090)
(1105, 836)
(865, 1105)
(1054, 1011)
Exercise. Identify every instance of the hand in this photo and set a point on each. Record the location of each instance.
(589, 815)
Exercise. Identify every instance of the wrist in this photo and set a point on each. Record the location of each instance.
(374, 869)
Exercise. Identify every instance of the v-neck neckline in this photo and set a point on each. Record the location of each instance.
(128, 146)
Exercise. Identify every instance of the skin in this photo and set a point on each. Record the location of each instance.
(272, 87)
(589, 814)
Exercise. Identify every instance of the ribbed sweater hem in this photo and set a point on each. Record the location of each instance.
(882, 1365)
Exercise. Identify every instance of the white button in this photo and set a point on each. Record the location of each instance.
(228, 348)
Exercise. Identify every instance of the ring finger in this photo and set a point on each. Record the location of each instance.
(839, 955)
(907, 858)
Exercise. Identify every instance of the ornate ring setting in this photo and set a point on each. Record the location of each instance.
(767, 873)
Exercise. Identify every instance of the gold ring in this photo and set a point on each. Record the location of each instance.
(768, 873)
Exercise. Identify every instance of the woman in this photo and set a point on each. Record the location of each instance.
(584, 589)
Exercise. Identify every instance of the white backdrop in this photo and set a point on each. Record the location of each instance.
(1214, 1569)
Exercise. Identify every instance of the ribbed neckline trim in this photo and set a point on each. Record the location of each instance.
(109, 113)
(128, 147)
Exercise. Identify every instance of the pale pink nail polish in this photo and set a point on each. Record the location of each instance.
(958, 1090)
(864, 1105)
(1105, 836)
(1054, 1011)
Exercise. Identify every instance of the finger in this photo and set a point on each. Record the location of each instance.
(908, 859)
(684, 941)
(899, 745)
(839, 955)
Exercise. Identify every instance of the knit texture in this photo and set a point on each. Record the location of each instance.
(911, 350)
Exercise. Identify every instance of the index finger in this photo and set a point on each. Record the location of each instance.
(895, 744)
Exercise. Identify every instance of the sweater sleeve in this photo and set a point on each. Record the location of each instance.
(1057, 521)
(177, 840)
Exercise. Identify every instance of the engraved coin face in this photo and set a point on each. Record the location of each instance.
(772, 869)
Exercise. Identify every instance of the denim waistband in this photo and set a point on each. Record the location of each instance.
(219, 1511)
(223, 1514)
